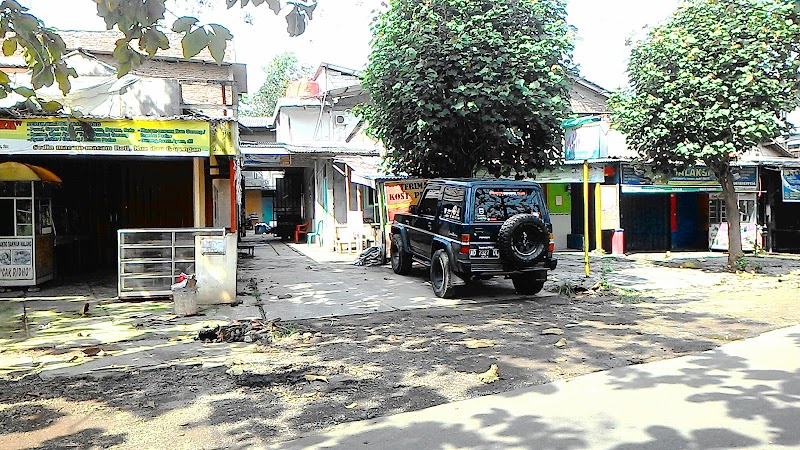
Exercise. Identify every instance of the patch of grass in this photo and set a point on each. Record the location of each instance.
(604, 284)
(252, 285)
(741, 264)
(565, 288)
(283, 331)
(630, 295)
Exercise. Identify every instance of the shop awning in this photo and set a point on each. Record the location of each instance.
(365, 170)
(665, 189)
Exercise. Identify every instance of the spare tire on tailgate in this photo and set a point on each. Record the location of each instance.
(523, 238)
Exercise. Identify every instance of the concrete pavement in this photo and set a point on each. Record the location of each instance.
(745, 394)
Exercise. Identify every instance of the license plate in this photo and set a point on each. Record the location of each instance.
(484, 253)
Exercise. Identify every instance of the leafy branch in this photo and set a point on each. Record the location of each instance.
(141, 23)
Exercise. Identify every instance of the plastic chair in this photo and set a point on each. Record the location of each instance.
(300, 229)
(316, 234)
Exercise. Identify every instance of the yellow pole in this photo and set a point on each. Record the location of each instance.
(598, 219)
(586, 216)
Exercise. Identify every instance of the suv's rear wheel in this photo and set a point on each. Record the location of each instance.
(523, 238)
(401, 260)
(527, 285)
(441, 275)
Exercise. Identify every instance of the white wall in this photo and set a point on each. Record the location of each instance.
(222, 203)
(302, 124)
(561, 227)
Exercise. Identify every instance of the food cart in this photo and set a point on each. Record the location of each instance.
(27, 235)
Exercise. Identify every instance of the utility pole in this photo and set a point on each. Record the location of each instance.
(586, 216)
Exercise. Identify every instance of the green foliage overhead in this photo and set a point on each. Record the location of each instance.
(282, 69)
(708, 85)
(141, 23)
(711, 83)
(462, 84)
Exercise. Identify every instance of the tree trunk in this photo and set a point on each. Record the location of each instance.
(733, 216)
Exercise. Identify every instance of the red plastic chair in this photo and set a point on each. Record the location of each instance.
(301, 229)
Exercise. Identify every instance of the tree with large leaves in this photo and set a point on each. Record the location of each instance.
(279, 71)
(141, 24)
(709, 84)
(458, 85)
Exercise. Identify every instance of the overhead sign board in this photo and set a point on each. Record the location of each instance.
(401, 195)
(692, 179)
(570, 174)
(790, 185)
(68, 136)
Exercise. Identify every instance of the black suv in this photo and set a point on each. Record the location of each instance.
(476, 228)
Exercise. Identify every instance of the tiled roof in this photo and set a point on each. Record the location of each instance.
(105, 41)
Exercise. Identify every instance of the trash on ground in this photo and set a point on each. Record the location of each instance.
(351, 405)
(561, 343)
(552, 331)
(372, 256)
(253, 330)
(184, 281)
(491, 375)
(92, 351)
(479, 343)
(313, 377)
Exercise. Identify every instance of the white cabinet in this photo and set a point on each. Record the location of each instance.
(150, 259)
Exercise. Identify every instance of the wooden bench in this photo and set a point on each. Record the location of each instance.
(247, 249)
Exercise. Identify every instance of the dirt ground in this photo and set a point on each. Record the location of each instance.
(322, 372)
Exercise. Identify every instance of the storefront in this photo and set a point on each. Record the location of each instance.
(115, 174)
(779, 206)
(684, 211)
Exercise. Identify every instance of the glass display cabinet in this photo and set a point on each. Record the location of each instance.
(151, 259)
(27, 236)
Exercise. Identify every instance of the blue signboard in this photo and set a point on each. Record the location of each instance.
(790, 182)
(745, 178)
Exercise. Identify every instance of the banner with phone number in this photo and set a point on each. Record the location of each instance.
(790, 185)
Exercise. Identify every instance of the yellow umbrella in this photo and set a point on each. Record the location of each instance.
(45, 174)
(14, 171)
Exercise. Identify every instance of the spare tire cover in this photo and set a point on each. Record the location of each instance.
(523, 238)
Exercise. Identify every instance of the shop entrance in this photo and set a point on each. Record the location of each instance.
(100, 195)
(689, 221)
(646, 221)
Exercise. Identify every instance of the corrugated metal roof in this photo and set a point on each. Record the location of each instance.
(13, 114)
(340, 69)
(256, 122)
(777, 162)
(308, 148)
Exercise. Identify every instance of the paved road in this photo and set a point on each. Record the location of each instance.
(743, 395)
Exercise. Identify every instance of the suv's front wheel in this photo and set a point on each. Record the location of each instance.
(527, 285)
(401, 260)
(441, 275)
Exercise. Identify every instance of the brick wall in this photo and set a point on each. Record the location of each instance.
(201, 83)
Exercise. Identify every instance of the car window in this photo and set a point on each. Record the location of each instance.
(498, 204)
(453, 203)
(430, 201)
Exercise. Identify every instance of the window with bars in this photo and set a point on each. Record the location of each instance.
(717, 213)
